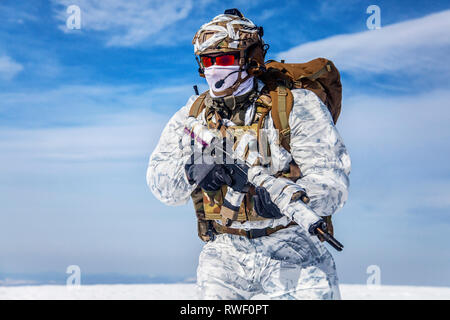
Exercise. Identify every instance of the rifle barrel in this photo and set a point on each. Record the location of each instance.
(331, 240)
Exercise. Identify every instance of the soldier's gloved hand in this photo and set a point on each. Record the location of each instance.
(239, 177)
(209, 177)
(264, 206)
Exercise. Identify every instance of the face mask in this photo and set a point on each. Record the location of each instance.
(228, 75)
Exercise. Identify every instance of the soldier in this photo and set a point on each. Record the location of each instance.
(269, 246)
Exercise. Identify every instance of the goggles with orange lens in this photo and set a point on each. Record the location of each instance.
(222, 60)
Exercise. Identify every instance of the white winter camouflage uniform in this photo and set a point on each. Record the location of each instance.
(290, 263)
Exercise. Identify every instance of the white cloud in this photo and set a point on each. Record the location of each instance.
(83, 104)
(122, 136)
(84, 123)
(127, 23)
(397, 123)
(18, 12)
(266, 14)
(398, 144)
(415, 46)
(399, 149)
(9, 68)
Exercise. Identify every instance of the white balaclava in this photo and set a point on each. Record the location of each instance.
(229, 75)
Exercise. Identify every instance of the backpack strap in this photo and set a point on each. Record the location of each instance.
(282, 103)
(198, 105)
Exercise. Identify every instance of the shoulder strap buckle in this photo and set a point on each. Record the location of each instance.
(285, 132)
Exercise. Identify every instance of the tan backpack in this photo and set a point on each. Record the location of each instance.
(319, 76)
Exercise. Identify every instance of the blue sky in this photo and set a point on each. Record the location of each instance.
(81, 111)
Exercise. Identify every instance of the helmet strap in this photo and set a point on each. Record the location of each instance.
(201, 70)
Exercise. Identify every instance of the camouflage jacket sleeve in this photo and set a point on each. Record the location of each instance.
(318, 149)
(166, 176)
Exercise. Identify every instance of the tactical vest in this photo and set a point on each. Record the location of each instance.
(319, 76)
(208, 204)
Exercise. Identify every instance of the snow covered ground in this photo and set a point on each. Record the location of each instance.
(188, 291)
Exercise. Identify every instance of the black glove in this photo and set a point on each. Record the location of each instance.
(210, 177)
(264, 206)
(238, 173)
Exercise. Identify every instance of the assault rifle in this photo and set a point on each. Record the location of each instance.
(240, 184)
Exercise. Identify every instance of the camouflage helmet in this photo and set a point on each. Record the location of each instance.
(232, 32)
(227, 32)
